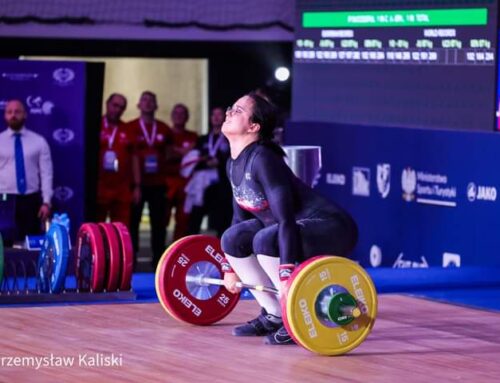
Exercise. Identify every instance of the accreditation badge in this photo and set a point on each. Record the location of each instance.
(110, 161)
(151, 163)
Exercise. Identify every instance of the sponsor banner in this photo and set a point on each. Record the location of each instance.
(54, 95)
(427, 188)
(361, 181)
(419, 198)
(384, 179)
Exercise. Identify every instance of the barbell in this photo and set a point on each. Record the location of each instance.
(329, 305)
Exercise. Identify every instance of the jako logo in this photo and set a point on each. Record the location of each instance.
(409, 183)
(361, 181)
(384, 179)
(63, 76)
(63, 193)
(481, 193)
(63, 135)
(471, 191)
(36, 105)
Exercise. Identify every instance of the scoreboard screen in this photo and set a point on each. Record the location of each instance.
(418, 63)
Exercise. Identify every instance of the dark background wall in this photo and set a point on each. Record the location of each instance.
(234, 67)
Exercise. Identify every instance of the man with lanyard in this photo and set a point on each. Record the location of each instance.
(152, 137)
(119, 177)
(26, 172)
(214, 152)
(184, 141)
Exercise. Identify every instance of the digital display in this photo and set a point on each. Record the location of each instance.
(423, 64)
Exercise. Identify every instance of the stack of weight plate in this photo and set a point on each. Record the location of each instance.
(104, 258)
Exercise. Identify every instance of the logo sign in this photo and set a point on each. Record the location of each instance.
(63, 135)
(402, 263)
(471, 191)
(63, 193)
(481, 193)
(384, 179)
(63, 76)
(335, 179)
(37, 105)
(19, 76)
(375, 256)
(409, 184)
(361, 181)
(451, 260)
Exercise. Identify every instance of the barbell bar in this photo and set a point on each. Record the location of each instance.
(346, 310)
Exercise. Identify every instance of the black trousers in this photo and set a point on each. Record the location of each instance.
(22, 212)
(156, 197)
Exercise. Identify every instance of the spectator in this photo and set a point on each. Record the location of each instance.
(151, 138)
(119, 175)
(213, 152)
(184, 140)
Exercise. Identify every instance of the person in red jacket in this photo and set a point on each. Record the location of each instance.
(152, 138)
(184, 140)
(118, 182)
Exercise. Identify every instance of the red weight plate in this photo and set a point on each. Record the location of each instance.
(196, 255)
(127, 254)
(113, 256)
(90, 258)
(159, 285)
(285, 296)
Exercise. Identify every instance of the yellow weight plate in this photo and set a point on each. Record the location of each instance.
(310, 291)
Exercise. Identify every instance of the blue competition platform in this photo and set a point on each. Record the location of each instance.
(472, 287)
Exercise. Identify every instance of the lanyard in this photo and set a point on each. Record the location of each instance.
(149, 139)
(111, 138)
(212, 149)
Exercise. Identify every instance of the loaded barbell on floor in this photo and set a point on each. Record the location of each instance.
(329, 306)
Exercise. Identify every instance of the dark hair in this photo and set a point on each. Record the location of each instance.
(149, 93)
(183, 106)
(264, 114)
(113, 95)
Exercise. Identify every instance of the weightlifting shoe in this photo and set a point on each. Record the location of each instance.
(279, 337)
(264, 324)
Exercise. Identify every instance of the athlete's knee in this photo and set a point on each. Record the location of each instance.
(265, 242)
(228, 240)
(235, 242)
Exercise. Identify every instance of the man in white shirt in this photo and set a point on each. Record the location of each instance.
(25, 171)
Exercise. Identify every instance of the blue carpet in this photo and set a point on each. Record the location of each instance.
(468, 286)
(475, 287)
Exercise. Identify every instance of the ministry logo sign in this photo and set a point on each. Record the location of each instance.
(409, 184)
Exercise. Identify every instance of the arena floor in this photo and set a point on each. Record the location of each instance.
(414, 340)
